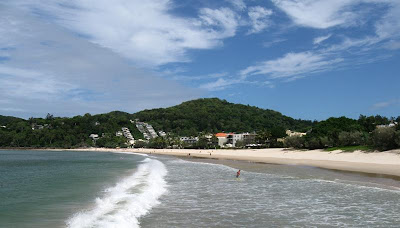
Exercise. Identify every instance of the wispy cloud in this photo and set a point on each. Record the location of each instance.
(199, 77)
(320, 14)
(332, 56)
(143, 31)
(51, 69)
(385, 104)
(268, 44)
(321, 39)
(239, 4)
(291, 65)
(219, 84)
(259, 18)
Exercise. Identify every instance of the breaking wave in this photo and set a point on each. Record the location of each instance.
(130, 199)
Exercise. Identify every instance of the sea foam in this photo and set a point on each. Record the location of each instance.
(127, 201)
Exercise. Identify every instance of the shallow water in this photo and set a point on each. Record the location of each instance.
(93, 189)
(208, 195)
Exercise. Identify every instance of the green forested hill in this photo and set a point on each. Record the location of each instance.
(214, 115)
(187, 119)
(4, 120)
(193, 117)
(66, 132)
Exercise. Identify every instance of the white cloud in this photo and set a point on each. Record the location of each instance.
(259, 18)
(221, 83)
(392, 45)
(321, 39)
(291, 65)
(51, 70)
(196, 78)
(268, 44)
(34, 85)
(385, 104)
(238, 4)
(143, 31)
(320, 14)
(349, 52)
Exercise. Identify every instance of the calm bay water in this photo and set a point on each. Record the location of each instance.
(88, 189)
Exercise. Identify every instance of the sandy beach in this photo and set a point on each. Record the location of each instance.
(387, 163)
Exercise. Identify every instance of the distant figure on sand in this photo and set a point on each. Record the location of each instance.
(238, 174)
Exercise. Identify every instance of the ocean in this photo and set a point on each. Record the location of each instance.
(100, 189)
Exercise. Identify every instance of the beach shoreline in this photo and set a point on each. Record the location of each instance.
(386, 163)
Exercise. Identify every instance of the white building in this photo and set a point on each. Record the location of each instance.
(189, 140)
(393, 124)
(294, 133)
(127, 133)
(222, 139)
(147, 130)
(230, 139)
(94, 136)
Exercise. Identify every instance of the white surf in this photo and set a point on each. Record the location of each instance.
(127, 201)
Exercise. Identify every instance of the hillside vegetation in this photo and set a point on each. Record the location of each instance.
(195, 118)
(215, 115)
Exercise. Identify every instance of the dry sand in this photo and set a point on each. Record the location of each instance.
(387, 163)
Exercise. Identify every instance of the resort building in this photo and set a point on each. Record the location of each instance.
(37, 127)
(222, 139)
(189, 140)
(230, 139)
(127, 133)
(294, 133)
(147, 130)
(94, 136)
(162, 134)
(393, 124)
(118, 133)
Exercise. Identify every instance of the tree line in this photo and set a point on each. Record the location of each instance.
(197, 118)
(374, 132)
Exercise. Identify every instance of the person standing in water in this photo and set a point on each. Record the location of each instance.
(238, 174)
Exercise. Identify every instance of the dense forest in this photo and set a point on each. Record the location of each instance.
(371, 133)
(215, 115)
(197, 117)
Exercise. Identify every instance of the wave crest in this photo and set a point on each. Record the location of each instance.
(127, 201)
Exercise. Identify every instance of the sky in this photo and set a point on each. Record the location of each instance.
(308, 59)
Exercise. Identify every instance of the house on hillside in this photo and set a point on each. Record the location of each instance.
(94, 137)
(189, 140)
(127, 133)
(222, 139)
(392, 124)
(230, 139)
(295, 133)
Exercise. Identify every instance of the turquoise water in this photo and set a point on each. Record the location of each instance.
(88, 189)
(44, 189)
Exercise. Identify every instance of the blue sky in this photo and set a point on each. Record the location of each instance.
(308, 59)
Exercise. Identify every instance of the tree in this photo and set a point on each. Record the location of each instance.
(351, 138)
(294, 142)
(384, 138)
(240, 144)
(314, 143)
(263, 137)
(278, 132)
(49, 116)
(397, 139)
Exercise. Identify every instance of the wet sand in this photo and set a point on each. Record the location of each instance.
(387, 163)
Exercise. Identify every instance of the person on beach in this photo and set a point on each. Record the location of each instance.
(238, 174)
